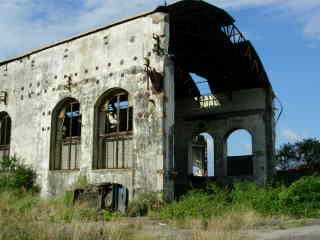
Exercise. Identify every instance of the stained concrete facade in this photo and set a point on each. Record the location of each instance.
(125, 55)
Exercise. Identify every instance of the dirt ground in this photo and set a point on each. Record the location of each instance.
(163, 231)
(309, 232)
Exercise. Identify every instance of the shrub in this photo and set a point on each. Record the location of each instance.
(24, 177)
(111, 216)
(8, 164)
(67, 198)
(262, 199)
(145, 203)
(16, 176)
(194, 204)
(198, 204)
(302, 198)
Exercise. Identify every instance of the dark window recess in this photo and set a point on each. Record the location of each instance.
(240, 165)
(5, 134)
(115, 132)
(240, 155)
(67, 136)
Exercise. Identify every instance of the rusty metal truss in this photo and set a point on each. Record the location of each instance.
(237, 38)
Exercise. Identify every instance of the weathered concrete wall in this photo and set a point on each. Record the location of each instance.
(110, 58)
(246, 109)
(163, 125)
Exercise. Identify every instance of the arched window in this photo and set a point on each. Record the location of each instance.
(5, 134)
(66, 135)
(240, 157)
(202, 155)
(114, 131)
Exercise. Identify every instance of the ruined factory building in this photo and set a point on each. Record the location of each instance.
(146, 104)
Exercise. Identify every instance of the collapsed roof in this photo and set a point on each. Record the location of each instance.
(205, 41)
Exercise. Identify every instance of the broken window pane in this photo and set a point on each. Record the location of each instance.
(71, 119)
(118, 114)
(67, 136)
(115, 130)
(111, 115)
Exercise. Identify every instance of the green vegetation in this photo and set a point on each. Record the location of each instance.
(301, 199)
(14, 175)
(305, 153)
(145, 203)
(197, 204)
(213, 213)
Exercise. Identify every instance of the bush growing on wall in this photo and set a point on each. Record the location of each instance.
(14, 175)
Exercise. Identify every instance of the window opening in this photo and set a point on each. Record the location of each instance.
(115, 122)
(240, 157)
(5, 135)
(202, 155)
(66, 155)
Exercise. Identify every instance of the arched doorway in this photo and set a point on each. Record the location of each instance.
(239, 153)
(201, 154)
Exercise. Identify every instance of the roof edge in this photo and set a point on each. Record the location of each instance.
(45, 47)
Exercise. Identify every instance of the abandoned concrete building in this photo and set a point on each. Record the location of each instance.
(135, 103)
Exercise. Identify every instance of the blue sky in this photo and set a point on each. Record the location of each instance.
(286, 34)
(288, 43)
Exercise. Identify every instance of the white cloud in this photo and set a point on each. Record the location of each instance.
(312, 28)
(290, 136)
(243, 3)
(28, 24)
(306, 12)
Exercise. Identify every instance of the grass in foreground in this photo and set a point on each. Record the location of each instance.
(25, 216)
(199, 215)
(215, 213)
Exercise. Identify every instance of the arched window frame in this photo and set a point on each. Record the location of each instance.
(5, 134)
(246, 160)
(65, 151)
(113, 145)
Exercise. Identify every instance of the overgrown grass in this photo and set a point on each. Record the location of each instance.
(145, 203)
(24, 215)
(301, 199)
(213, 213)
